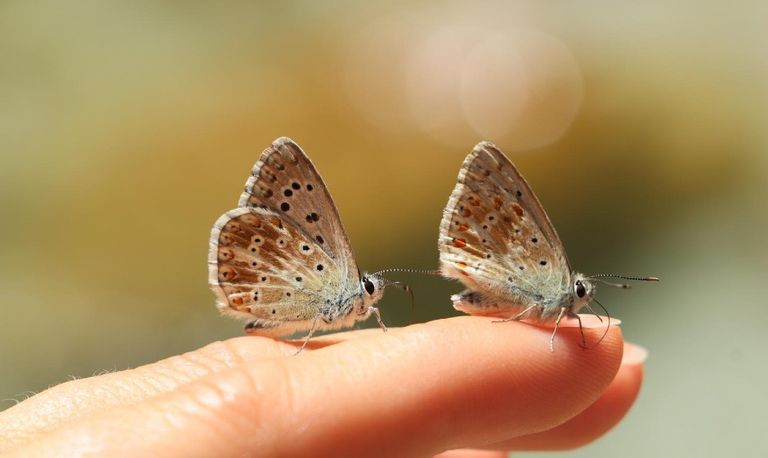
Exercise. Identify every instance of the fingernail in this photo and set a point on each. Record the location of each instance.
(634, 354)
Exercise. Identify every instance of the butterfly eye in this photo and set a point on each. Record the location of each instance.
(580, 289)
(369, 287)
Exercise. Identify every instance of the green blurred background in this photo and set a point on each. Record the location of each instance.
(127, 128)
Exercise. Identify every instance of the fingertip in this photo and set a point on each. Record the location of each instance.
(595, 420)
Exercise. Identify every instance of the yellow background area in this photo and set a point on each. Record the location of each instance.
(127, 128)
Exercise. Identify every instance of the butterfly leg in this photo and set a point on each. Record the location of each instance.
(519, 315)
(557, 323)
(309, 335)
(375, 311)
(581, 329)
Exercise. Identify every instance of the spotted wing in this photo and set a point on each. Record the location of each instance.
(495, 236)
(264, 268)
(285, 181)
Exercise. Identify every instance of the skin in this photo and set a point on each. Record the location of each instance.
(458, 385)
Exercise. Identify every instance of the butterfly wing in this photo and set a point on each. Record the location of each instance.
(496, 238)
(285, 181)
(264, 268)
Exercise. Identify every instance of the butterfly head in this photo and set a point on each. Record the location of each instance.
(373, 289)
(583, 292)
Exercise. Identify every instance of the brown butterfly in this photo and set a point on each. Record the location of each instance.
(282, 260)
(496, 239)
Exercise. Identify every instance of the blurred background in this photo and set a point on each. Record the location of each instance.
(127, 128)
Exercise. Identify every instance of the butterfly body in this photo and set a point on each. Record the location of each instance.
(281, 260)
(517, 302)
(497, 240)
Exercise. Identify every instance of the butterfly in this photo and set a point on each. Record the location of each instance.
(498, 241)
(281, 260)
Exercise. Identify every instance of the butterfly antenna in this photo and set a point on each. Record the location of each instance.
(413, 271)
(623, 277)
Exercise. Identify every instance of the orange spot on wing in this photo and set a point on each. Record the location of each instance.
(474, 201)
(459, 243)
(463, 227)
(497, 202)
(226, 273)
(461, 264)
(466, 213)
(276, 222)
(517, 209)
(237, 300)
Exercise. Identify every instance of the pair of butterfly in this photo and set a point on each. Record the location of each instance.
(282, 260)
